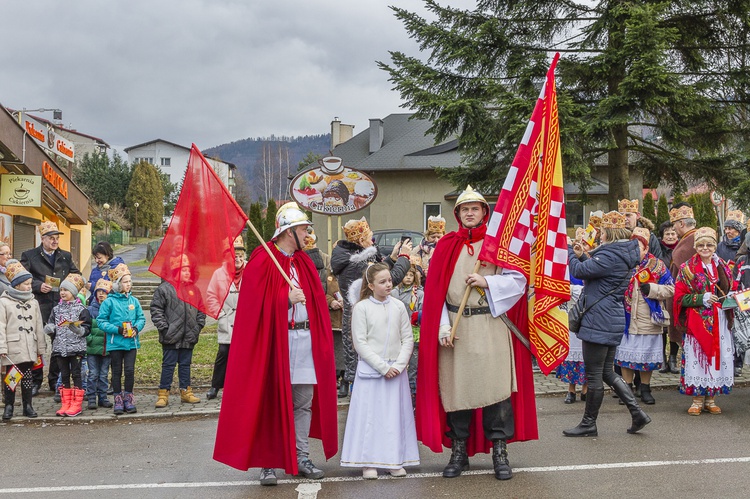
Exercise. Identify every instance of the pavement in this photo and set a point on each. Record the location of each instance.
(145, 397)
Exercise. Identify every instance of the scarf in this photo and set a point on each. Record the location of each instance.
(650, 270)
(19, 295)
(701, 322)
(238, 276)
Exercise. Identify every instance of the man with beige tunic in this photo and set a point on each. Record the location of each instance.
(476, 369)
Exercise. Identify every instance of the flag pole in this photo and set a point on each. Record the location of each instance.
(463, 302)
(268, 250)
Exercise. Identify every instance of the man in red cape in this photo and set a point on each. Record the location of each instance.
(485, 378)
(280, 386)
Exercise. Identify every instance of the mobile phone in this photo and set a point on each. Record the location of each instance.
(404, 239)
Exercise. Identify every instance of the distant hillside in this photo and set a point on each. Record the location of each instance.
(280, 155)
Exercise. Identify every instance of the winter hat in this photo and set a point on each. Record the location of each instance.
(118, 272)
(103, 285)
(16, 273)
(73, 283)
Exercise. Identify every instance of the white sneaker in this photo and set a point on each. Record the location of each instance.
(399, 473)
(369, 473)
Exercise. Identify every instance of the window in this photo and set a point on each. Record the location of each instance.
(145, 160)
(430, 210)
(574, 214)
(166, 161)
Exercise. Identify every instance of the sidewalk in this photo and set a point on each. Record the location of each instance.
(546, 386)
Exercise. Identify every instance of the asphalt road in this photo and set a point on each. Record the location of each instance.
(675, 456)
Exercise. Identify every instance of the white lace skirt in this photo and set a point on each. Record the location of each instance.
(702, 378)
(380, 431)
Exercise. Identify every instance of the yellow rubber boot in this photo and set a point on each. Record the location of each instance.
(187, 396)
(163, 400)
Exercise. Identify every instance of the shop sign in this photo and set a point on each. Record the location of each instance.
(47, 138)
(21, 190)
(54, 178)
(333, 189)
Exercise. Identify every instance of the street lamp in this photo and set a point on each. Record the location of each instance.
(106, 217)
(135, 236)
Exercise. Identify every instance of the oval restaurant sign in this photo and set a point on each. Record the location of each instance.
(333, 189)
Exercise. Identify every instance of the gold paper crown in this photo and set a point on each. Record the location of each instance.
(470, 196)
(613, 220)
(736, 215)
(118, 272)
(76, 280)
(642, 232)
(436, 225)
(627, 206)
(681, 213)
(239, 243)
(355, 229)
(177, 262)
(48, 228)
(103, 284)
(14, 269)
(580, 233)
(595, 218)
(310, 240)
(705, 233)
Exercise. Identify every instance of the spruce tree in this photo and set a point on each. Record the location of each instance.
(658, 86)
(648, 207)
(146, 189)
(256, 217)
(269, 222)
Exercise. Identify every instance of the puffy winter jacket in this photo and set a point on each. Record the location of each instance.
(607, 269)
(349, 261)
(96, 342)
(179, 323)
(116, 309)
(66, 341)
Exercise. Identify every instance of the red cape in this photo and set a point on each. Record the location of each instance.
(430, 416)
(256, 421)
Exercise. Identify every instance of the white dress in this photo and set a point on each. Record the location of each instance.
(380, 430)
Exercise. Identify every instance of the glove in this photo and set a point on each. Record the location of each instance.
(444, 332)
(49, 329)
(76, 330)
(121, 330)
(645, 289)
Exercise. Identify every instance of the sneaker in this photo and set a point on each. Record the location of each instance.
(399, 473)
(267, 476)
(308, 470)
(369, 473)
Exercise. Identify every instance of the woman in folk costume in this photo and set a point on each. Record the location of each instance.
(651, 284)
(707, 351)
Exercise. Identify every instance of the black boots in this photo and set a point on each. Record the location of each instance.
(459, 461)
(499, 460)
(26, 396)
(673, 364)
(343, 389)
(10, 399)
(646, 396)
(639, 418)
(587, 426)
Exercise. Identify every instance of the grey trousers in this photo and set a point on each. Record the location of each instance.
(302, 396)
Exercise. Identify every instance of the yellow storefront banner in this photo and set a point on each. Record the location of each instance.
(21, 190)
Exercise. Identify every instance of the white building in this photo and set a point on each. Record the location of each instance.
(172, 159)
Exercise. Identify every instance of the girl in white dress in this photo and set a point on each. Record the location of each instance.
(380, 431)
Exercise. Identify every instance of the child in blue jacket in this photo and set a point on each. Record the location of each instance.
(121, 318)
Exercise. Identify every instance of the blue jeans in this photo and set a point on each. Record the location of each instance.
(96, 384)
(170, 357)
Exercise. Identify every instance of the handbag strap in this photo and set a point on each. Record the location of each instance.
(586, 309)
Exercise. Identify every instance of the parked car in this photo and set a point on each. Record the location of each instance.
(387, 239)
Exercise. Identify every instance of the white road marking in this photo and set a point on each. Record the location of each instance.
(246, 483)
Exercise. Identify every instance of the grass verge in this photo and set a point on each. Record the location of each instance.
(148, 362)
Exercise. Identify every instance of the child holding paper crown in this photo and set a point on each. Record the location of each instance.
(21, 337)
(70, 323)
(96, 350)
(121, 318)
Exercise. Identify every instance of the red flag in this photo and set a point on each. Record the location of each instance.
(201, 236)
(527, 231)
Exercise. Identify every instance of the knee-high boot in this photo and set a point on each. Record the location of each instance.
(639, 418)
(10, 399)
(26, 397)
(587, 426)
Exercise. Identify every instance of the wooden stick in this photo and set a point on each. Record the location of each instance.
(268, 250)
(463, 303)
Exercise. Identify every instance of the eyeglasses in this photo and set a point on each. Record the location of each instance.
(705, 245)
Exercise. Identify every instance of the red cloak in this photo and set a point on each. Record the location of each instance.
(430, 415)
(256, 421)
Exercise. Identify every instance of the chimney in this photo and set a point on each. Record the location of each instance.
(376, 134)
(340, 132)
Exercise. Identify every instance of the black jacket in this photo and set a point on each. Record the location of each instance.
(349, 261)
(37, 263)
(607, 269)
(179, 323)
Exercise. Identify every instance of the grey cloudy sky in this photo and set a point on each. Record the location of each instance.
(203, 71)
